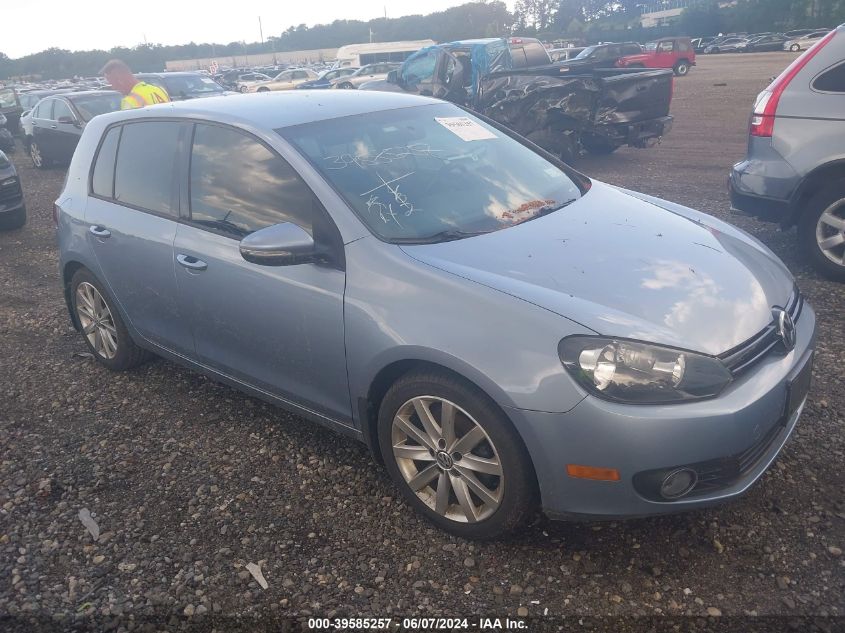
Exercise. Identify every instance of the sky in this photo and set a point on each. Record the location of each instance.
(103, 24)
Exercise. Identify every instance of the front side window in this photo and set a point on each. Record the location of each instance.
(45, 110)
(415, 173)
(90, 106)
(146, 165)
(239, 186)
(62, 109)
(665, 47)
(419, 69)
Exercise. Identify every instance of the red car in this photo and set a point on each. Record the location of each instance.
(676, 53)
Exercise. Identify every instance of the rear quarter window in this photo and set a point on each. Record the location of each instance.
(102, 178)
(831, 80)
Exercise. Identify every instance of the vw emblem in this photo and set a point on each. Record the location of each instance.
(786, 328)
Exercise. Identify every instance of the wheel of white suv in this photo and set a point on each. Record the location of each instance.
(681, 68)
(455, 456)
(821, 230)
(102, 328)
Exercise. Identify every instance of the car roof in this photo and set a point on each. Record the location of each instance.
(273, 110)
(87, 93)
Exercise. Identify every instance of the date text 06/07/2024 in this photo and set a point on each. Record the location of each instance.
(416, 624)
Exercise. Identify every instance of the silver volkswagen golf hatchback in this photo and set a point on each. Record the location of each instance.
(504, 333)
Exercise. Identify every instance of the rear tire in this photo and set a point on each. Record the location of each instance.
(102, 327)
(488, 484)
(821, 231)
(39, 161)
(263, 90)
(795, 48)
(598, 146)
(681, 68)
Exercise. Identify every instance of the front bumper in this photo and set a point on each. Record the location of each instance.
(638, 438)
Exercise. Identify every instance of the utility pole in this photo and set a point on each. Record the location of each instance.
(260, 31)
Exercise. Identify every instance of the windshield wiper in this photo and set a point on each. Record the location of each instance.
(441, 236)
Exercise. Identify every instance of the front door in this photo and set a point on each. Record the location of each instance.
(67, 131)
(277, 328)
(131, 220)
(665, 55)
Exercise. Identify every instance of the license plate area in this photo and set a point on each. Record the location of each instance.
(798, 388)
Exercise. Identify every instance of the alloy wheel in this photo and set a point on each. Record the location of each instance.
(96, 320)
(35, 154)
(830, 232)
(447, 459)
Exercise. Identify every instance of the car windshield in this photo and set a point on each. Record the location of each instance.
(91, 106)
(586, 52)
(187, 85)
(432, 173)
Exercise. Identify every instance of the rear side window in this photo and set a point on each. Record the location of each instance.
(239, 186)
(102, 180)
(831, 80)
(146, 161)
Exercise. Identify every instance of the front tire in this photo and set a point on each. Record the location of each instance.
(103, 329)
(795, 48)
(455, 456)
(10, 221)
(821, 231)
(681, 68)
(345, 86)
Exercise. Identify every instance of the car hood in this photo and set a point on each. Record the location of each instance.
(630, 266)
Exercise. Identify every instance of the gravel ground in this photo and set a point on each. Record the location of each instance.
(189, 481)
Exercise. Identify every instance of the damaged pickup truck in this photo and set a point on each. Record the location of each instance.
(566, 109)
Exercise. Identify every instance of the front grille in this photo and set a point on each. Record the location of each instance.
(745, 355)
(9, 193)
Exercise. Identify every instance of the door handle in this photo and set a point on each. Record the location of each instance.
(189, 261)
(99, 231)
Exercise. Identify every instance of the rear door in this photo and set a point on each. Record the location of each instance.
(131, 216)
(43, 129)
(277, 328)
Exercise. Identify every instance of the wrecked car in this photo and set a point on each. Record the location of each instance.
(564, 108)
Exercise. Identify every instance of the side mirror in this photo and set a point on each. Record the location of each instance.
(393, 77)
(66, 119)
(284, 244)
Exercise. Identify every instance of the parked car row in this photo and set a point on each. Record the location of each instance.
(794, 41)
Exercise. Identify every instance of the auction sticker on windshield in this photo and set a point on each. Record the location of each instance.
(465, 128)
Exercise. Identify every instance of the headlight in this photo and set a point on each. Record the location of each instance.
(640, 373)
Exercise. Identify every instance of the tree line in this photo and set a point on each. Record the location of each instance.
(584, 20)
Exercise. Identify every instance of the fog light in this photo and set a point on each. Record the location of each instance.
(678, 483)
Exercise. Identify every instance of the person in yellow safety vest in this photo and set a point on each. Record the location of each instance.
(136, 94)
